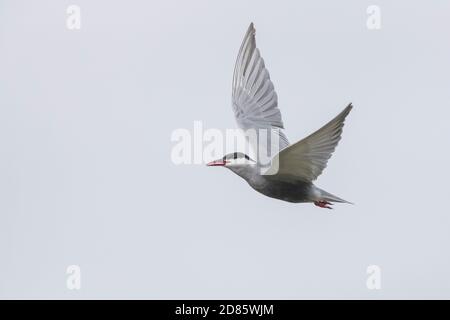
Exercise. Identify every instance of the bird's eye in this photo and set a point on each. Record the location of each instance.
(247, 157)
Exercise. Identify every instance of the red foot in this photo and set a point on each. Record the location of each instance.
(323, 204)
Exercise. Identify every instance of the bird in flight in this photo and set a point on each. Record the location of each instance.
(292, 170)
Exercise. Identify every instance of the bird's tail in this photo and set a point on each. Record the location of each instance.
(330, 197)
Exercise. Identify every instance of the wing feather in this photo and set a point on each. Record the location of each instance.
(306, 159)
(254, 100)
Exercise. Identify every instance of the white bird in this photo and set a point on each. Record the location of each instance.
(292, 171)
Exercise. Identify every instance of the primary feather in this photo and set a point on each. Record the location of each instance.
(254, 100)
(306, 159)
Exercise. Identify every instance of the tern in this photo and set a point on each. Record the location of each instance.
(255, 106)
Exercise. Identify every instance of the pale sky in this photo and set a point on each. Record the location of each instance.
(86, 118)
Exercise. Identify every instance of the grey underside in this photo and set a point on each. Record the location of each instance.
(283, 188)
(291, 191)
(272, 186)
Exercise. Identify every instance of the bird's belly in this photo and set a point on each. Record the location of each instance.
(287, 191)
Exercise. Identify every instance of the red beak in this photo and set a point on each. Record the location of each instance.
(216, 163)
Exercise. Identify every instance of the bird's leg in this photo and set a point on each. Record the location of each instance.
(323, 204)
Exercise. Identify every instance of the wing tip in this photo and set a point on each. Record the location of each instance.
(251, 29)
(344, 112)
(349, 107)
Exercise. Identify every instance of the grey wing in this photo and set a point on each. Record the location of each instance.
(255, 102)
(306, 159)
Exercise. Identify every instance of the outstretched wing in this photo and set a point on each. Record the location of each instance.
(254, 99)
(306, 159)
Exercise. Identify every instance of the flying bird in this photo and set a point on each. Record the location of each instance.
(292, 171)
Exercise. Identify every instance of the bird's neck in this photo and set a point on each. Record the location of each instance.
(245, 172)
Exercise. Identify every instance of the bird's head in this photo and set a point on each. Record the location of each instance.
(233, 160)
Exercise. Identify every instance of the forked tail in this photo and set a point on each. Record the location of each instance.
(331, 197)
(324, 199)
